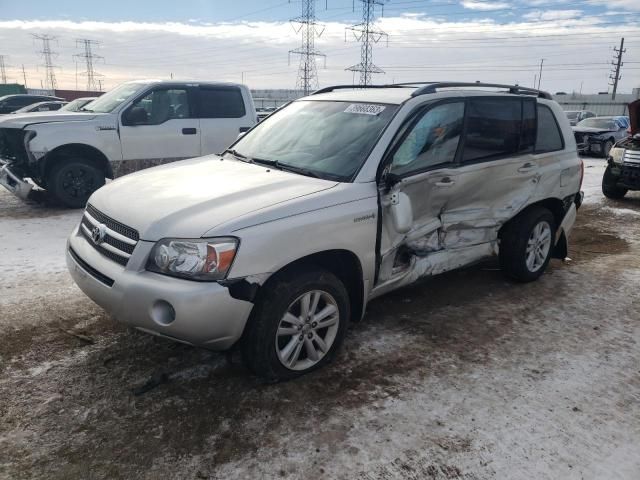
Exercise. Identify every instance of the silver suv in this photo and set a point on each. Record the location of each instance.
(337, 198)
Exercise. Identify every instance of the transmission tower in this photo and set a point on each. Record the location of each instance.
(88, 56)
(47, 54)
(306, 24)
(367, 34)
(3, 70)
(616, 64)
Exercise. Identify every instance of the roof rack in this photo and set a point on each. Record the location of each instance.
(432, 87)
(515, 89)
(341, 87)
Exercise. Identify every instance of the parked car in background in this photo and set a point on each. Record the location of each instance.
(11, 103)
(597, 135)
(329, 202)
(77, 104)
(50, 106)
(576, 116)
(623, 165)
(136, 125)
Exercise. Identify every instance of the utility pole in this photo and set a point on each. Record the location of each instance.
(3, 70)
(540, 74)
(47, 54)
(617, 63)
(366, 33)
(306, 25)
(24, 76)
(88, 56)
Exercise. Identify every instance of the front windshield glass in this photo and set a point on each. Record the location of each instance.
(601, 123)
(111, 100)
(76, 104)
(329, 139)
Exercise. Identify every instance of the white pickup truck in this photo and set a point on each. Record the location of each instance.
(136, 125)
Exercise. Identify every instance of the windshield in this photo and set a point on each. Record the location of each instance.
(329, 139)
(601, 123)
(111, 100)
(76, 105)
(572, 115)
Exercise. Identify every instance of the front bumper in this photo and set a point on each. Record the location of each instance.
(12, 182)
(626, 175)
(199, 313)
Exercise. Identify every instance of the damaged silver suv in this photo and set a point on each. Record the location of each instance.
(342, 196)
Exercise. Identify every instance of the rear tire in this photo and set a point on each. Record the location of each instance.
(526, 244)
(73, 180)
(281, 342)
(609, 188)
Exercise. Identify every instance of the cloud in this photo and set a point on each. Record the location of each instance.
(420, 47)
(485, 6)
(623, 4)
(550, 15)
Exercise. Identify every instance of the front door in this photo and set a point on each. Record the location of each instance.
(421, 180)
(158, 128)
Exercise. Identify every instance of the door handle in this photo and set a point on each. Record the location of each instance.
(445, 182)
(189, 131)
(527, 167)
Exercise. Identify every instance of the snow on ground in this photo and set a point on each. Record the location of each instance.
(466, 376)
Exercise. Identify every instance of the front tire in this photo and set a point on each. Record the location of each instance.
(298, 324)
(609, 188)
(606, 148)
(526, 244)
(73, 180)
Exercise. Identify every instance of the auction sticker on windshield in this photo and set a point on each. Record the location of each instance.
(365, 109)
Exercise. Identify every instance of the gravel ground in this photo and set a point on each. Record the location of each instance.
(464, 376)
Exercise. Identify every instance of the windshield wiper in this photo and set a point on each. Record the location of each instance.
(236, 154)
(300, 170)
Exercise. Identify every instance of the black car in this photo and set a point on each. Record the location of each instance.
(598, 134)
(11, 103)
(623, 165)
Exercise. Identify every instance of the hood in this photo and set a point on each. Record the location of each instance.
(21, 120)
(188, 198)
(598, 131)
(634, 116)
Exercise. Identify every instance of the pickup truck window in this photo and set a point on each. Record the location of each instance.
(161, 105)
(221, 102)
(111, 100)
(331, 139)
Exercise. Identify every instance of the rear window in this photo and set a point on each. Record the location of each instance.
(221, 102)
(493, 128)
(549, 138)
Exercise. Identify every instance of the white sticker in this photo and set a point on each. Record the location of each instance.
(365, 109)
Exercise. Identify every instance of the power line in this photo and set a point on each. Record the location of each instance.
(47, 54)
(617, 63)
(309, 28)
(3, 70)
(88, 56)
(367, 35)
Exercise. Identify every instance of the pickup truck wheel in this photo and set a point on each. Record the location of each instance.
(526, 244)
(609, 188)
(73, 180)
(297, 326)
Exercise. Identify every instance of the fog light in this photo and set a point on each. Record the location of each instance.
(163, 313)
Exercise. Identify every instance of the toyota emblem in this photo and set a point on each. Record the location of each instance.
(97, 234)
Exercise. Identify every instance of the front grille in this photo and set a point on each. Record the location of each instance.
(118, 240)
(631, 156)
(582, 139)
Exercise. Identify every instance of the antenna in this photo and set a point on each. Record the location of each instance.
(306, 24)
(366, 33)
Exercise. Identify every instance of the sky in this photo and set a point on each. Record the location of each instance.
(249, 41)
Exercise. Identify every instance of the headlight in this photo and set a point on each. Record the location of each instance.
(200, 259)
(616, 154)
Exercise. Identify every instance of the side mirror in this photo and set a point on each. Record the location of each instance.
(136, 116)
(401, 212)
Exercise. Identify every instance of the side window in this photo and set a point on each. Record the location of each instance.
(221, 102)
(433, 140)
(159, 106)
(549, 138)
(493, 128)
